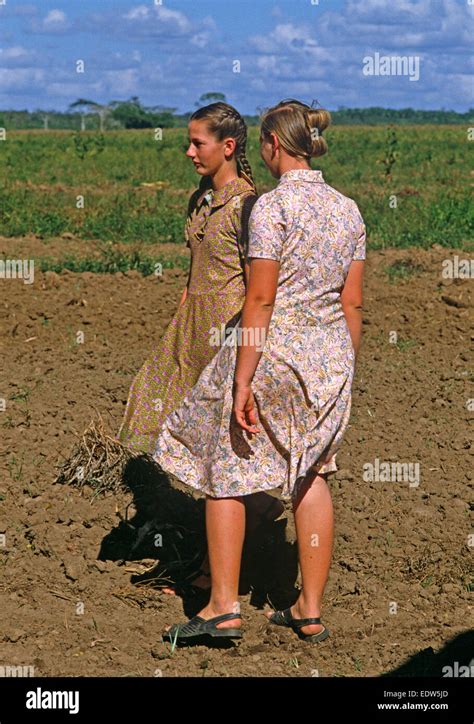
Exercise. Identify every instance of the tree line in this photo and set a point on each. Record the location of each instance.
(84, 114)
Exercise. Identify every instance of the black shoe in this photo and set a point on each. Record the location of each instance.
(198, 627)
(286, 618)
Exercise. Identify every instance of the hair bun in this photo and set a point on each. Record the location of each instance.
(298, 127)
(317, 119)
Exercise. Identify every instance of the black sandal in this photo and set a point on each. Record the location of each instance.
(286, 618)
(198, 627)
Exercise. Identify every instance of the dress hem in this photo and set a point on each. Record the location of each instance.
(322, 467)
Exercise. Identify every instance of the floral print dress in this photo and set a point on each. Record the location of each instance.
(302, 384)
(216, 233)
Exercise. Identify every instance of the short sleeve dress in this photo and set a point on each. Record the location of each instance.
(216, 232)
(302, 384)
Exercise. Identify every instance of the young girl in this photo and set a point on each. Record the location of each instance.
(216, 233)
(259, 419)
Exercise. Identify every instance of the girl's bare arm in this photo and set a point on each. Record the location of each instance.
(183, 296)
(185, 290)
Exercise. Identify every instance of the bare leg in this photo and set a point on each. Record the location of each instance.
(225, 528)
(314, 520)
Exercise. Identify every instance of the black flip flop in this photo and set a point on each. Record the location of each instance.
(286, 618)
(198, 626)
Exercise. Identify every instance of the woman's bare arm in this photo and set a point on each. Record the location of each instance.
(183, 296)
(185, 290)
(351, 299)
(256, 315)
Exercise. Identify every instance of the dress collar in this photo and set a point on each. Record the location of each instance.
(228, 191)
(303, 174)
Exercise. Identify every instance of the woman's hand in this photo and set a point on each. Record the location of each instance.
(244, 407)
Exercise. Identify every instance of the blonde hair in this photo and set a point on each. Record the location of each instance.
(224, 121)
(298, 127)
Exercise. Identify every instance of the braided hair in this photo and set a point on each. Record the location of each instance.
(224, 121)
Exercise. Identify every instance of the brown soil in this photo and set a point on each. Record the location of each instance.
(397, 599)
(67, 245)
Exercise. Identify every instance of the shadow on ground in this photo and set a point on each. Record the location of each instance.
(168, 525)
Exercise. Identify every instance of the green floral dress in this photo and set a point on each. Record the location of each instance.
(216, 233)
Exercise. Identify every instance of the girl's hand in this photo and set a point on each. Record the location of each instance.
(244, 407)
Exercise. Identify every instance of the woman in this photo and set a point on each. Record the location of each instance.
(259, 419)
(216, 233)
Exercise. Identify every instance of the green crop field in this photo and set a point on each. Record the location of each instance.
(412, 184)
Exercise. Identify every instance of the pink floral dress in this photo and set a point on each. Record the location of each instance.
(302, 384)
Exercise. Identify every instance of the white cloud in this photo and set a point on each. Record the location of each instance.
(200, 39)
(14, 53)
(286, 36)
(385, 12)
(375, 24)
(142, 12)
(155, 20)
(172, 16)
(17, 56)
(55, 17)
(21, 79)
(55, 21)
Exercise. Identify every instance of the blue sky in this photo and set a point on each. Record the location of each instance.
(169, 54)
